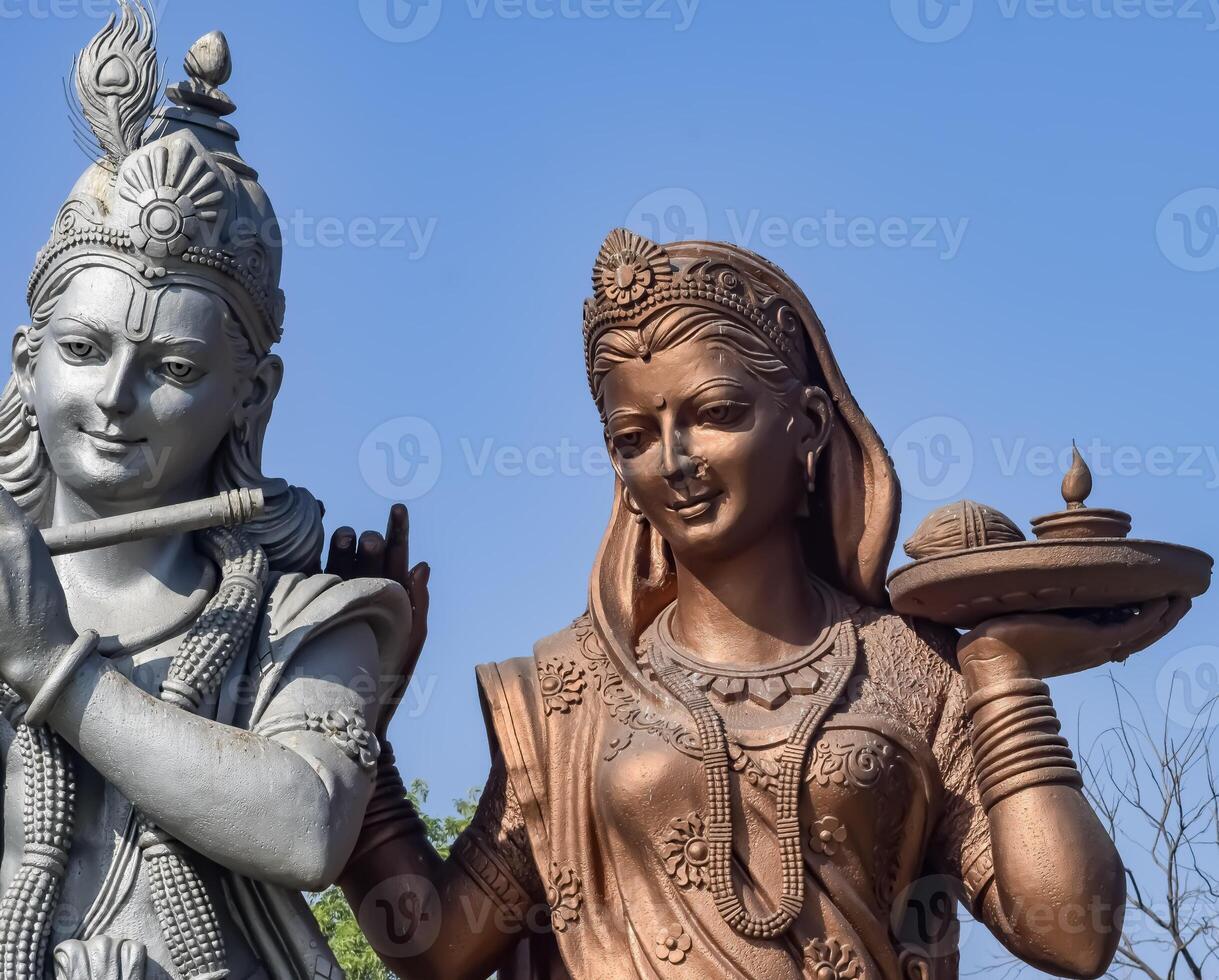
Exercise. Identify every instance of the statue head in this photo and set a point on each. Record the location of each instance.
(146, 373)
(727, 419)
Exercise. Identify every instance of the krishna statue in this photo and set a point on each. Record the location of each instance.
(187, 719)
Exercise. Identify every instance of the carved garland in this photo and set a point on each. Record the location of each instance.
(183, 906)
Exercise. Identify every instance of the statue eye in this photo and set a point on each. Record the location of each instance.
(180, 371)
(628, 443)
(721, 412)
(78, 350)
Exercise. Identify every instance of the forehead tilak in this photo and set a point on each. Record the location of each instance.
(141, 310)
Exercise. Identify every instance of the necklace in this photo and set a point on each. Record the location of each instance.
(769, 687)
(143, 639)
(834, 669)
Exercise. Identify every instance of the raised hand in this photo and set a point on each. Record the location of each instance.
(35, 630)
(375, 555)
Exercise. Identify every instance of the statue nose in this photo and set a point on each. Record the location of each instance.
(117, 395)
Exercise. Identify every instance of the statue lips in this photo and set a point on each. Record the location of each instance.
(112, 445)
(691, 508)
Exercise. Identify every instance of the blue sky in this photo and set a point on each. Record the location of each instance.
(1004, 210)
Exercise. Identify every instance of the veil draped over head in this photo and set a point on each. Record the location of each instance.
(849, 535)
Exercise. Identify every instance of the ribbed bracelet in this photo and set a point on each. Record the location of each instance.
(59, 678)
(1016, 740)
(1046, 776)
(1019, 686)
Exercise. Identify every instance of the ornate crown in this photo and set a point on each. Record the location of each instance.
(169, 198)
(634, 278)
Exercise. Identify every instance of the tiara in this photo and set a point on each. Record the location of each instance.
(634, 278)
(169, 197)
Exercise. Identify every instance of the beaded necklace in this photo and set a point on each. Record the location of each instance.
(835, 667)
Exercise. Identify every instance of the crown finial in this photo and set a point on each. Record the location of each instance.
(1077, 483)
(208, 64)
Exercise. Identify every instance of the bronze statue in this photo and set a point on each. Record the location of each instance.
(740, 762)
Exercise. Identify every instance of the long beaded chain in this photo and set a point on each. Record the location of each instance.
(836, 667)
(183, 907)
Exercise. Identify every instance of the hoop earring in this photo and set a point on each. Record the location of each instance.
(629, 503)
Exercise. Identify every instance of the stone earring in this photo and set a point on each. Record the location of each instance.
(27, 414)
(629, 503)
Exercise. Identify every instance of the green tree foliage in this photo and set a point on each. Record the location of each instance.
(334, 915)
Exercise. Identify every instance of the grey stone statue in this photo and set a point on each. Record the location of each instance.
(187, 718)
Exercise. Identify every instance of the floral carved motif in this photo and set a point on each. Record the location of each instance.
(563, 896)
(860, 760)
(828, 959)
(628, 267)
(826, 835)
(685, 851)
(624, 706)
(172, 191)
(561, 683)
(672, 945)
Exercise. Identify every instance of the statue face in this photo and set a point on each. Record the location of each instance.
(710, 456)
(132, 422)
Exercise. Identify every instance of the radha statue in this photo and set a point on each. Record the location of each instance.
(186, 733)
(740, 762)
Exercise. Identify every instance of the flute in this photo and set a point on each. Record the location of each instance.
(226, 509)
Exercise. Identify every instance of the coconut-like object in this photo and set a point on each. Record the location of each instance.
(958, 527)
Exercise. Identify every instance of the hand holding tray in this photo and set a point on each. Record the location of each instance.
(972, 563)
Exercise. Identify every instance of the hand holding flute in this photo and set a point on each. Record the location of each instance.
(39, 648)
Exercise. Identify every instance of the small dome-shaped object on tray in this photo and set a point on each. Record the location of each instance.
(958, 527)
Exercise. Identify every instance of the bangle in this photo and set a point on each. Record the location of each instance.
(1016, 741)
(1022, 686)
(59, 678)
